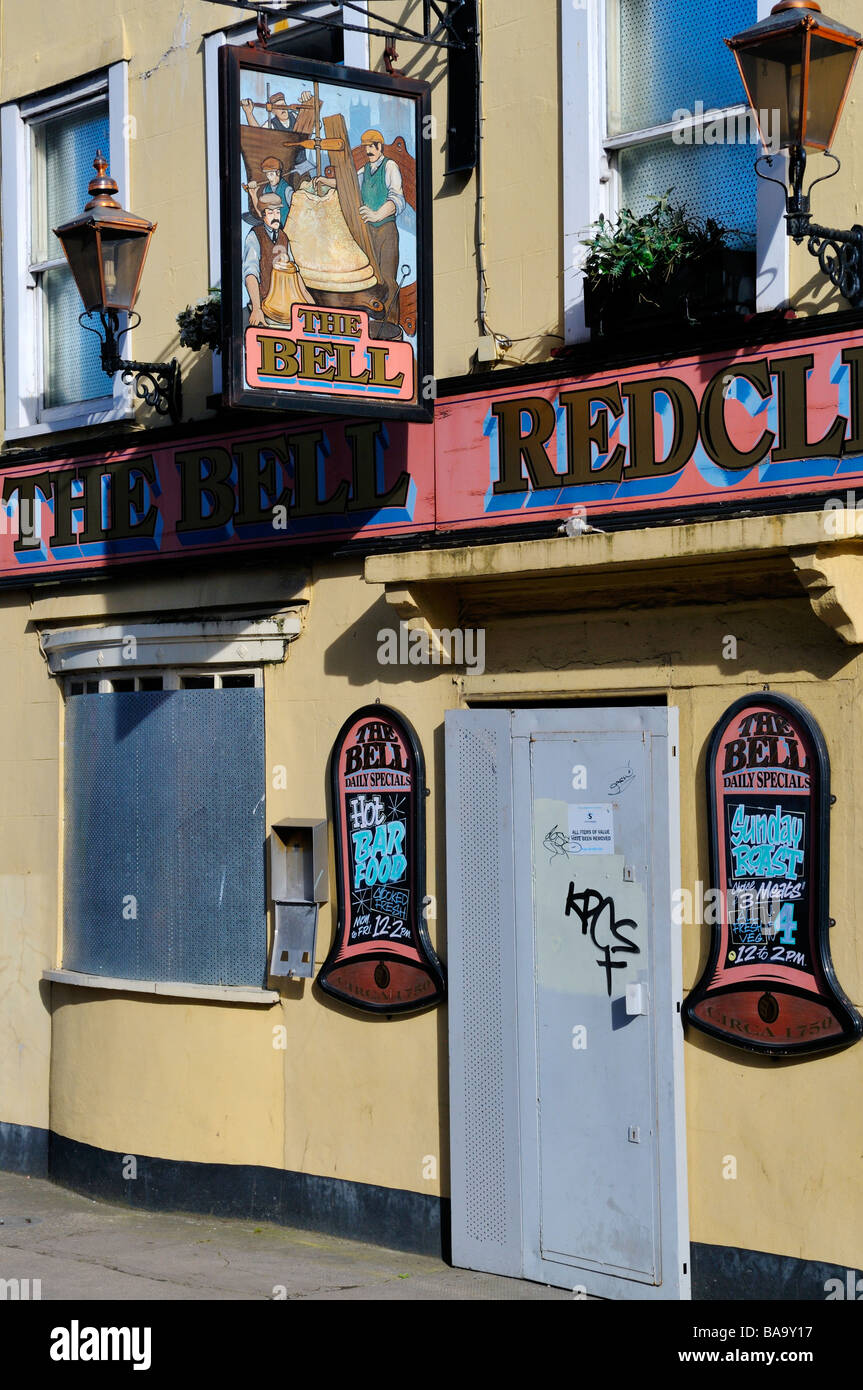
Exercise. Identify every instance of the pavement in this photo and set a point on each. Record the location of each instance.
(81, 1249)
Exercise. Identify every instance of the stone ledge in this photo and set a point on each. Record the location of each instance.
(234, 994)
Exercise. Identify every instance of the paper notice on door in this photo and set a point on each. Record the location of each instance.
(591, 829)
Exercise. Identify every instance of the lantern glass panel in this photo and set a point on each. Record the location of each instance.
(830, 68)
(122, 259)
(772, 74)
(81, 246)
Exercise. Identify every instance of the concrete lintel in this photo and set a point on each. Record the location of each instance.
(808, 545)
(221, 591)
(833, 579)
(691, 543)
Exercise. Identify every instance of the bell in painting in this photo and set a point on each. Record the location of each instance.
(328, 256)
(286, 290)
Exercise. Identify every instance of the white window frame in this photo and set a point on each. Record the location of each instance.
(356, 55)
(591, 185)
(172, 678)
(22, 299)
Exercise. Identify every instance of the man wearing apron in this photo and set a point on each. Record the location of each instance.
(383, 200)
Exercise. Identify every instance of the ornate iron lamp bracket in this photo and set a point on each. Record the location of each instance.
(839, 254)
(157, 383)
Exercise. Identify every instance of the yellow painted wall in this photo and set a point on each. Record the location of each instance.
(348, 1096)
(365, 1099)
(29, 807)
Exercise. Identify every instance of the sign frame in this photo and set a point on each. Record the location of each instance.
(828, 994)
(418, 954)
(237, 392)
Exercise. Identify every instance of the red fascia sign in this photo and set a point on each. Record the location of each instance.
(247, 490)
(729, 427)
(732, 426)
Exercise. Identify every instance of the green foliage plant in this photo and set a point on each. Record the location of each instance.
(642, 255)
(201, 323)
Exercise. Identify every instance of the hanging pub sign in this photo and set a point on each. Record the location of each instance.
(326, 237)
(381, 959)
(769, 985)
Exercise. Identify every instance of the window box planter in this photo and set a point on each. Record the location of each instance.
(693, 294)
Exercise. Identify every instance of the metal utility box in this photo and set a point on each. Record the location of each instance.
(298, 885)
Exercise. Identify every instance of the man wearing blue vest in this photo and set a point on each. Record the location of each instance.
(383, 200)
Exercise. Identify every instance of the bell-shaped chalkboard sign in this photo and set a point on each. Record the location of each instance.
(769, 985)
(381, 959)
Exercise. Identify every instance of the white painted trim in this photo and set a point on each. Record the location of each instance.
(773, 245)
(18, 285)
(627, 139)
(240, 642)
(356, 45)
(230, 994)
(212, 44)
(53, 103)
(121, 125)
(586, 175)
(24, 414)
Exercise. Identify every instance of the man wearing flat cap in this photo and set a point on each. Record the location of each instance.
(265, 246)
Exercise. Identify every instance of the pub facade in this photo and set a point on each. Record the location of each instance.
(430, 801)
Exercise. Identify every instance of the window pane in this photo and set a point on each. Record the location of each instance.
(71, 355)
(711, 180)
(63, 166)
(671, 54)
(68, 147)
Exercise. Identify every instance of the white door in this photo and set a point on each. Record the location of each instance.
(564, 824)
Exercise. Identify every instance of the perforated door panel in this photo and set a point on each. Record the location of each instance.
(484, 1134)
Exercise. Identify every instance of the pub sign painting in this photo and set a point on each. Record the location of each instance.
(326, 237)
(769, 985)
(382, 959)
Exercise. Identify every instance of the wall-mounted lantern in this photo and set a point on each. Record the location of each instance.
(106, 248)
(799, 64)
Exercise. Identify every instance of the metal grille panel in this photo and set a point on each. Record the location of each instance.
(164, 836)
(672, 54)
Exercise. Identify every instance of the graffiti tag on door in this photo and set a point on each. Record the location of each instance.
(596, 914)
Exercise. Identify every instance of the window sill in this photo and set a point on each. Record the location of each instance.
(107, 410)
(235, 994)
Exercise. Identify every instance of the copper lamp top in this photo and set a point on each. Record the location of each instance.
(796, 5)
(102, 187)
